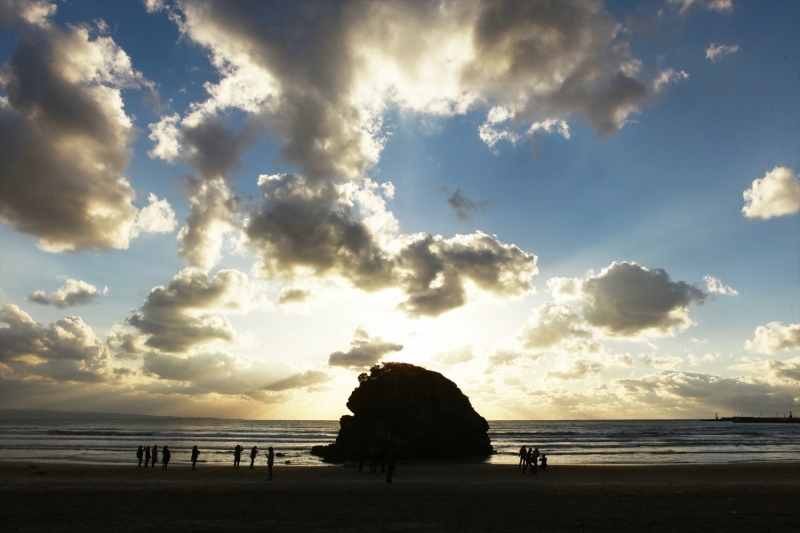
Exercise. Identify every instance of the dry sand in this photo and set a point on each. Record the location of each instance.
(424, 497)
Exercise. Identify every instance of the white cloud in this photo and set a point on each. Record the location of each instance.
(578, 369)
(64, 134)
(663, 362)
(627, 300)
(557, 326)
(67, 350)
(715, 286)
(157, 217)
(716, 52)
(191, 311)
(776, 194)
(707, 358)
(710, 5)
(454, 357)
(774, 338)
(73, 293)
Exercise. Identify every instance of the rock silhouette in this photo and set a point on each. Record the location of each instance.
(419, 412)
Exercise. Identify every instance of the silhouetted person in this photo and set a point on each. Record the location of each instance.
(528, 456)
(146, 456)
(253, 454)
(523, 454)
(237, 455)
(535, 461)
(543, 462)
(270, 461)
(392, 463)
(361, 456)
(139, 455)
(195, 454)
(165, 457)
(155, 456)
(382, 458)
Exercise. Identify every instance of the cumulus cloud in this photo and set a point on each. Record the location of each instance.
(300, 229)
(465, 209)
(776, 194)
(190, 311)
(557, 326)
(626, 299)
(716, 52)
(695, 360)
(775, 371)
(67, 350)
(507, 357)
(157, 217)
(72, 294)
(364, 352)
(321, 77)
(578, 369)
(715, 286)
(64, 134)
(774, 338)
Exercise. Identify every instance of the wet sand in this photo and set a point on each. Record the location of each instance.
(424, 497)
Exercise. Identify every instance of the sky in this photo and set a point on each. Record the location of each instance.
(573, 210)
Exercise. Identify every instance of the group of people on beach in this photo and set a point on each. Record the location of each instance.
(530, 458)
(382, 457)
(237, 456)
(145, 454)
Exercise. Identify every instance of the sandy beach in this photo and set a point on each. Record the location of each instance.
(423, 497)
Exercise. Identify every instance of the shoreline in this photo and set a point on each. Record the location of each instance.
(435, 497)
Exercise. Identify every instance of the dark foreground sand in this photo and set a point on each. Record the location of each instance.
(424, 497)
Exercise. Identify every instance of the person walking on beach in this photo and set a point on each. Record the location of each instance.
(253, 454)
(270, 461)
(523, 454)
(392, 463)
(146, 456)
(155, 456)
(165, 454)
(139, 455)
(237, 455)
(195, 454)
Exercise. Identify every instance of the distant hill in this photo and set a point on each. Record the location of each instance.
(43, 414)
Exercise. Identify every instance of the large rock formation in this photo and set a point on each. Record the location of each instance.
(420, 412)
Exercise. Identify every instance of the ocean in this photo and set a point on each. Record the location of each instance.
(606, 442)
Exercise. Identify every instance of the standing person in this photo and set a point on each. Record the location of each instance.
(146, 456)
(195, 453)
(543, 461)
(528, 456)
(139, 455)
(253, 454)
(270, 461)
(165, 454)
(392, 464)
(535, 461)
(155, 456)
(237, 455)
(523, 454)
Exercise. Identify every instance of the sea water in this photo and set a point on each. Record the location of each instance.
(564, 441)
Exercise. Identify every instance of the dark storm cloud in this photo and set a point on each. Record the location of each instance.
(364, 352)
